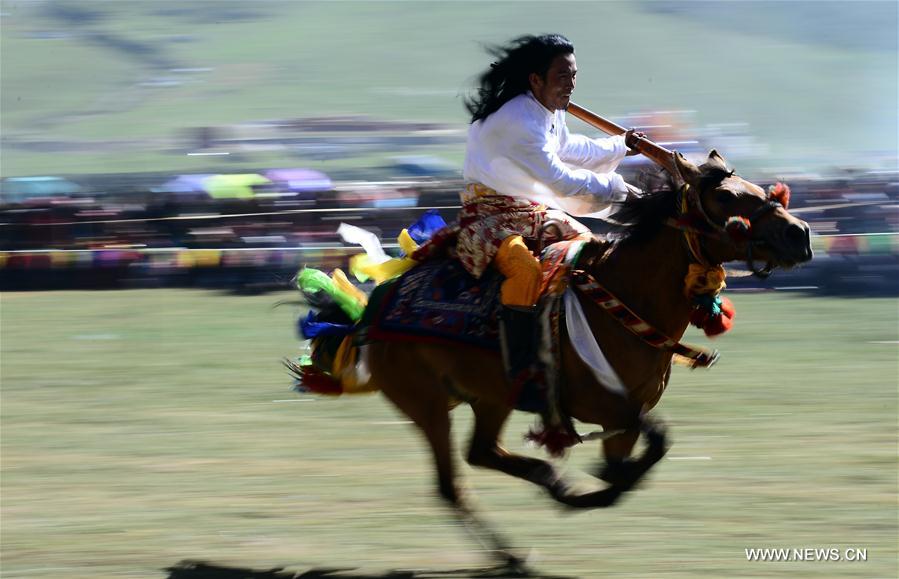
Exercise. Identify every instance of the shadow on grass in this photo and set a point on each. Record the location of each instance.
(202, 570)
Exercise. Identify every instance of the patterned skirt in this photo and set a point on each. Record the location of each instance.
(487, 218)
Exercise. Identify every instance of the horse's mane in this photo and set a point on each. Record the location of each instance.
(639, 218)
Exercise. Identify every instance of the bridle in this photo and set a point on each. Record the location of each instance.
(695, 223)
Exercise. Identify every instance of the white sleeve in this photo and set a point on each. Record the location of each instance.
(601, 155)
(530, 149)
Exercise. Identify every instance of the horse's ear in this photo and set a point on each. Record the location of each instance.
(688, 171)
(716, 160)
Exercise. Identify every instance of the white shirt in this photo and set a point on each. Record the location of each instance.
(525, 150)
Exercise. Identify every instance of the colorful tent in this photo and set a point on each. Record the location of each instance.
(18, 189)
(185, 184)
(237, 186)
(301, 180)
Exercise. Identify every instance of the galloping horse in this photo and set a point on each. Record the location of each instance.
(644, 266)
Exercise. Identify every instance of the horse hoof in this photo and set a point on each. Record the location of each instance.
(656, 436)
(559, 490)
(512, 566)
(616, 472)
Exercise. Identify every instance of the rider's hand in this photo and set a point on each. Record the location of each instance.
(631, 138)
(632, 192)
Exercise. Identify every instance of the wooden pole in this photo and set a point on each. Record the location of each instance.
(647, 148)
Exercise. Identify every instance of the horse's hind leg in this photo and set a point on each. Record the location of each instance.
(401, 378)
(436, 429)
(428, 407)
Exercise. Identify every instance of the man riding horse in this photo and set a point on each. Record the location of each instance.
(520, 158)
(627, 301)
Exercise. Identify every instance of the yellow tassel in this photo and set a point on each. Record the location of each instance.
(704, 279)
(364, 269)
(358, 265)
(407, 244)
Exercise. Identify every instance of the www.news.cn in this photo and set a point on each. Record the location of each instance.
(815, 554)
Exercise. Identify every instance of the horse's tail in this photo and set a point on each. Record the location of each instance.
(333, 363)
(339, 311)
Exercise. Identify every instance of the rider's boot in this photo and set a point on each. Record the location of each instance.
(520, 341)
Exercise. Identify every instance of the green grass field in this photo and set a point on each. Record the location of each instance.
(141, 428)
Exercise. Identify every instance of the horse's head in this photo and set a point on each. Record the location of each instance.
(741, 220)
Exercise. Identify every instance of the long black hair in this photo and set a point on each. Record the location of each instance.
(508, 76)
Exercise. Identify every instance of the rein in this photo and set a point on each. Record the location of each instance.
(563, 257)
(587, 284)
(694, 222)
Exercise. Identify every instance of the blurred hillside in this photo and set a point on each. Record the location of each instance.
(96, 86)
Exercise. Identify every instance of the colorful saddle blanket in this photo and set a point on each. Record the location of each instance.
(439, 301)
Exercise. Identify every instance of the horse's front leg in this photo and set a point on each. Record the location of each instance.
(655, 449)
(485, 450)
(617, 452)
(620, 468)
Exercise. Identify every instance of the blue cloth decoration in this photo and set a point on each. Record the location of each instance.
(428, 224)
(309, 327)
(710, 303)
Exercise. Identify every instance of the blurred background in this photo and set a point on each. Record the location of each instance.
(153, 149)
(218, 143)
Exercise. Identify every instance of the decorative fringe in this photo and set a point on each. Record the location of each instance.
(780, 192)
(738, 229)
(310, 379)
(364, 268)
(312, 281)
(704, 279)
(406, 242)
(339, 301)
(427, 225)
(375, 264)
(556, 440)
(310, 327)
(367, 266)
(345, 285)
(712, 314)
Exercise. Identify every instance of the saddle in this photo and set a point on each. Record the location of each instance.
(439, 301)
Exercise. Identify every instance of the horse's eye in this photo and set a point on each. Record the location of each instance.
(724, 197)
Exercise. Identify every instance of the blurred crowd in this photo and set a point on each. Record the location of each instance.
(256, 229)
(55, 232)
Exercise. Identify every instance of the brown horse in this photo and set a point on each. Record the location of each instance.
(644, 267)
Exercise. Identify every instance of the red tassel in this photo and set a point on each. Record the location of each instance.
(555, 440)
(780, 192)
(727, 307)
(716, 325)
(699, 317)
(737, 228)
(314, 380)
